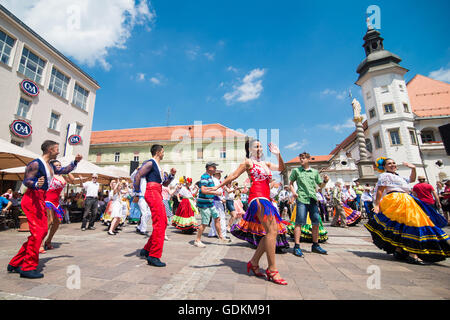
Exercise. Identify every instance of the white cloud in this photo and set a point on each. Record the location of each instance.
(297, 145)
(141, 76)
(210, 56)
(84, 29)
(155, 80)
(341, 127)
(441, 74)
(250, 89)
(340, 95)
(232, 69)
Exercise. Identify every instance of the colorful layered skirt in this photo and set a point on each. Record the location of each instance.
(56, 209)
(306, 229)
(184, 219)
(135, 213)
(408, 223)
(352, 216)
(251, 230)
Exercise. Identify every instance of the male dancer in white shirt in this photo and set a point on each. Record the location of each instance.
(143, 207)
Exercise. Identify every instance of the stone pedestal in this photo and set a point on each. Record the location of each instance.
(366, 173)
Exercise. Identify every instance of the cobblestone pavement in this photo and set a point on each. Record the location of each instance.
(109, 267)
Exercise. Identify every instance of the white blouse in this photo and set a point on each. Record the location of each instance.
(393, 182)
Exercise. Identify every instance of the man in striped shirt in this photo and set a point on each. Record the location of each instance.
(205, 204)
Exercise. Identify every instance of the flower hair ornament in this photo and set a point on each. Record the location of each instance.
(188, 180)
(379, 163)
(182, 181)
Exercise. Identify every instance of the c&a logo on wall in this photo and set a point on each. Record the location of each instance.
(21, 128)
(74, 140)
(30, 88)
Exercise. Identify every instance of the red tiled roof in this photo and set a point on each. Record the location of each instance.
(429, 97)
(172, 133)
(313, 159)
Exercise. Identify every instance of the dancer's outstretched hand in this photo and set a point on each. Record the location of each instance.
(274, 149)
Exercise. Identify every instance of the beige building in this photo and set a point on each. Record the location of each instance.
(187, 148)
(43, 94)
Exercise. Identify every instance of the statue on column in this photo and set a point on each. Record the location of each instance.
(356, 111)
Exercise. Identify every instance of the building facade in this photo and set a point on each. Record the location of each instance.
(404, 120)
(44, 95)
(187, 148)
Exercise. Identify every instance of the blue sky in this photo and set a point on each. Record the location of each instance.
(284, 65)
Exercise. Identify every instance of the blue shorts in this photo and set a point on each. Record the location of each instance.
(302, 211)
(230, 205)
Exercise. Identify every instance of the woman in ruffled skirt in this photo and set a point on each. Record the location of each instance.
(402, 224)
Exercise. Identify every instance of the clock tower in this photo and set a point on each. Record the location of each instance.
(390, 121)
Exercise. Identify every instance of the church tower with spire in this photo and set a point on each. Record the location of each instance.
(390, 121)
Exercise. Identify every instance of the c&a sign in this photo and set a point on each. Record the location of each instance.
(30, 88)
(74, 140)
(21, 128)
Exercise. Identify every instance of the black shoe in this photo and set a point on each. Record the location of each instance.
(32, 274)
(155, 262)
(415, 261)
(317, 249)
(91, 228)
(140, 232)
(143, 253)
(83, 229)
(12, 269)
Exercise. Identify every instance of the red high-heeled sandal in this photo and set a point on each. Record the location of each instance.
(254, 269)
(42, 250)
(271, 274)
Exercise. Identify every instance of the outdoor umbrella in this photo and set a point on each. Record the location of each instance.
(12, 156)
(87, 169)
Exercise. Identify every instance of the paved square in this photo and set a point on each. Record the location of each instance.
(109, 267)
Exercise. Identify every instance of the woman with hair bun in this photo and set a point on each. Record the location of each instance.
(262, 218)
(402, 224)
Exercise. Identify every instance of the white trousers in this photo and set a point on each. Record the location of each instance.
(145, 214)
(223, 221)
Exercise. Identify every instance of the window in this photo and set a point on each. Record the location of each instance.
(136, 158)
(372, 113)
(80, 96)
(117, 157)
(199, 153)
(389, 108)
(17, 143)
(99, 157)
(6, 45)
(395, 137)
(376, 138)
(59, 83)
(406, 108)
(402, 88)
(54, 118)
(223, 153)
(412, 135)
(427, 136)
(368, 96)
(384, 89)
(24, 108)
(78, 129)
(369, 145)
(31, 65)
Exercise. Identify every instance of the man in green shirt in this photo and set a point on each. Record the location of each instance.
(307, 179)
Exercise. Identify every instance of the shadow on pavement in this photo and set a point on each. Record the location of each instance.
(43, 261)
